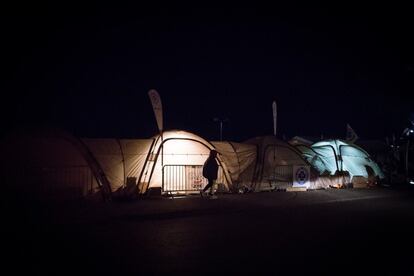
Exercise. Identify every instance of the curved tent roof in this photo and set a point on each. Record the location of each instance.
(179, 149)
(120, 159)
(329, 156)
(275, 161)
(285, 153)
(237, 157)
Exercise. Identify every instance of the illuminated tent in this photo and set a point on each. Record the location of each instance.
(273, 167)
(175, 161)
(331, 156)
(50, 164)
(171, 163)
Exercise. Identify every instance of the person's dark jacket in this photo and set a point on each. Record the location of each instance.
(210, 168)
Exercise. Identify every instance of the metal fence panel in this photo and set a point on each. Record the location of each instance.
(183, 178)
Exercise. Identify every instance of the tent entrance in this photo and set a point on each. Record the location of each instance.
(182, 178)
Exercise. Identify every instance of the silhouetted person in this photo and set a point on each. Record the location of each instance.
(210, 171)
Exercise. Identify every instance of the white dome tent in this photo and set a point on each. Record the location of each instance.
(330, 157)
(175, 162)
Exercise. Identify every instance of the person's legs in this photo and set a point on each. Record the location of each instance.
(209, 185)
(212, 187)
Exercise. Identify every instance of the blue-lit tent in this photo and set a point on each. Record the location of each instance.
(331, 156)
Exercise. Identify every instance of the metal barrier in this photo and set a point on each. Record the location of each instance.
(185, 178)
(283, 173)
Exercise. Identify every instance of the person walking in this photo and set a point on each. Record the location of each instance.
(210, 171)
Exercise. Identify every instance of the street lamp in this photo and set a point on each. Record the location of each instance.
(221, 121)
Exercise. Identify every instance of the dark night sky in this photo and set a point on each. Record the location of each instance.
(88, 69)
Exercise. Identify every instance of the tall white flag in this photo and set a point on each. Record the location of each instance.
(157, 107)
(274, 117)
(351, 136)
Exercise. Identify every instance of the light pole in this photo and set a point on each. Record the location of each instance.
(221, 121)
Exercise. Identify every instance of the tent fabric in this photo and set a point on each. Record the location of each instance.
(330, 156)
(237, 157)
(48, 164)
(322, 159)
(108, 154)
(127, 158)
(135, 152)
(120, 163)
(179, 148)
(53, 162)
(274, 163)
(120, 159)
